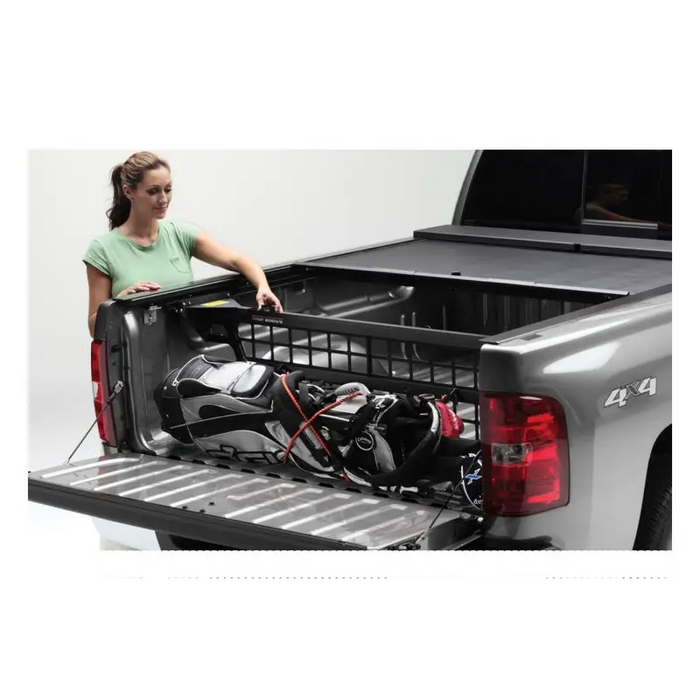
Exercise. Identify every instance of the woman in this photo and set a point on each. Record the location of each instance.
(143, 252)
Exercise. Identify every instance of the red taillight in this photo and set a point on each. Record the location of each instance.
(525, 454)
(100, 387)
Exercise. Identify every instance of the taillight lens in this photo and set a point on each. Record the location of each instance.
(100, 387)
(525, 454)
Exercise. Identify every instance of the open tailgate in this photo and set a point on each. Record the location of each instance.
(243, 509)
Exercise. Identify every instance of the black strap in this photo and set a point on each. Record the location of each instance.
(303, 393)
(360, 420)
(414, 465)
(458, 447)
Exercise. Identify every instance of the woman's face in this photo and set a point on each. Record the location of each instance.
(152, 195)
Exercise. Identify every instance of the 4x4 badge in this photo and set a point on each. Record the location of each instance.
(620, 396)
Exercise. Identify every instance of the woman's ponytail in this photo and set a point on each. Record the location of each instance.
(121, 206)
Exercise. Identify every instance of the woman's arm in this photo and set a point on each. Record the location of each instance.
(100, 290)
(209, 251)
(604, 213)
(100, 286)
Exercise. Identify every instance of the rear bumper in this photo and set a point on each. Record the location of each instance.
(491, 543)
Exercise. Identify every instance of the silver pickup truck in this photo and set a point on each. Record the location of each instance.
(541, 314)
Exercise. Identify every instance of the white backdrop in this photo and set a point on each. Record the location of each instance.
(276, 206)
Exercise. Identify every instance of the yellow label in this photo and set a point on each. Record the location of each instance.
(218, 302)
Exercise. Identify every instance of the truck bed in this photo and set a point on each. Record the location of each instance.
(393, 331)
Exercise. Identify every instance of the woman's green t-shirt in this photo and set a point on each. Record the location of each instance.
(166, 261)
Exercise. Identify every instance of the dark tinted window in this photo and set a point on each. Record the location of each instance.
(526, 189)
(625, 192)
(623, 186)
(665, 193)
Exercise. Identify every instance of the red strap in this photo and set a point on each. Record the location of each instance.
(313, 418)
(307, 423)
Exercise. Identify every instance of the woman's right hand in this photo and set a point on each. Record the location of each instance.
(140, 287)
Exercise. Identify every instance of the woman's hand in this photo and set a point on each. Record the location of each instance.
(140, 287)
(209, 251)
(265, 296)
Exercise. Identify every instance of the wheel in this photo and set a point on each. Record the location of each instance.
(654, 530)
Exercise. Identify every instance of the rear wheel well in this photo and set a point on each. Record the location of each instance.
(662, 446)
(654, 527)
